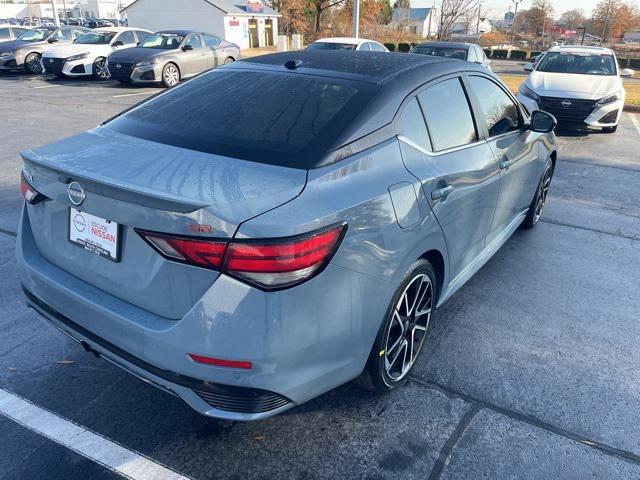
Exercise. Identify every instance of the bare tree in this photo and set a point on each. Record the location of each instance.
(572, 19)
(320, 6)
(451, 12)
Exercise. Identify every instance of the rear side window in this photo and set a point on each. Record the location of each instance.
(448, 115)
(268, 117)
(211, 40)
(376, 47)
(499, 112)
(413, 126)
(471, 56)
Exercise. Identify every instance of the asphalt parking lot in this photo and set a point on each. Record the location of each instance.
(532, 369)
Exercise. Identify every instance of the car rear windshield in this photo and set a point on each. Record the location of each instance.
(447, 52)
(331, 46)
(577, 63)
(279, 118)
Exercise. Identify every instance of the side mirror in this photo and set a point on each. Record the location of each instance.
(54, 40)
(542, 122)
(118, 43)
(528, 67)
(627, 72)
(186, 48)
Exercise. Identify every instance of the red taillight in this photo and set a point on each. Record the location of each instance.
(219, 362)
(196, 251)
(30, 194)
(269, 264)
(284, 262)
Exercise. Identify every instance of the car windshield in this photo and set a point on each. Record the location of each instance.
(331, 46)
(96, 38)
(577, 63)
(166, 41)
(448, 52)
(36, 35)
(267, 117)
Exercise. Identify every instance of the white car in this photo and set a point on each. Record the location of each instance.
(580, 86)
(88, 54)
(347, 43)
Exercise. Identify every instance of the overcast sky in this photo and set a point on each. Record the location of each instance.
(498, 7)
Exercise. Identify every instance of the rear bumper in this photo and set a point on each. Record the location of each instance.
(302, 342)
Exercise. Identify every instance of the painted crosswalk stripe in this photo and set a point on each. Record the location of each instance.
(91, 445)
(132, 94)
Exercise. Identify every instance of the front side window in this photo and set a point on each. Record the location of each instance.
(413, 126)
(5, 34)
(96, 38)
(164, 41)
(35, 35)
(500, 113)
(126, 38)
(448, 115)
(577, 63)
(142, 35)
(194, 41)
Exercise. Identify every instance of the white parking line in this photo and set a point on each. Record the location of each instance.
(635, 121)
(132, 94)
(85, 442)
(47, 86)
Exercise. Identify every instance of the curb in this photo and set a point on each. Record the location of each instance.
(632, 108)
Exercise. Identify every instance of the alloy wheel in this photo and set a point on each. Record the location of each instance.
(171, 76)
(101, 69)
(408, 327)
(542, 193)
(32, 63)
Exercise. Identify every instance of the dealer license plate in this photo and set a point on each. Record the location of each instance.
(95, 234)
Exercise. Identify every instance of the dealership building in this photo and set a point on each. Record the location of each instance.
(248, 23)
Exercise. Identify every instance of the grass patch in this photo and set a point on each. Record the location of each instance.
(632, 87)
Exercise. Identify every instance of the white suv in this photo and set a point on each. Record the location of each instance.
(580, 86)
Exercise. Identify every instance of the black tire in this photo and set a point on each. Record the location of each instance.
(170, 75)
(376, 376)
(229, 60)
(537, 204)
(610, 129)
(100, 70)
(32, 63)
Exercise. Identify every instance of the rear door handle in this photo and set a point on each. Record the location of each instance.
(442, 193)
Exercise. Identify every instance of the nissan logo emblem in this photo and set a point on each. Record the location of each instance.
(566, 103)
(118, 65)
(76, 193)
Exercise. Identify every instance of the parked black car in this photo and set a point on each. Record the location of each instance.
(170, 56)
(469, 52)
(25, 51)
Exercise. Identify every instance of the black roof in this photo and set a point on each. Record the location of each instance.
(464, 45)
(178, 32)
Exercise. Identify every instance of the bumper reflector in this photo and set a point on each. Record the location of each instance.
(219, 362)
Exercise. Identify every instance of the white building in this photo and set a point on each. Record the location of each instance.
(248, 23)
(419, 21)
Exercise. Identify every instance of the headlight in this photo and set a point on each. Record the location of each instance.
(609, 99)
(147, 63)
(527, 92)
(77, 57)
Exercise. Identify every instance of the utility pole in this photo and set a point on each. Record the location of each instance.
(355, 27)
(56, 19)
(584, 31)
(66, 14)
(515, 17)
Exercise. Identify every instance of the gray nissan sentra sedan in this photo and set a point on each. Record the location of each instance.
(281, 225)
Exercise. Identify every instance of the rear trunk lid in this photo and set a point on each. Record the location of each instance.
(137, 183)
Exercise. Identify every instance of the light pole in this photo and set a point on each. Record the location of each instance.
(56, 19)
(355, 27)
(515, 17)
